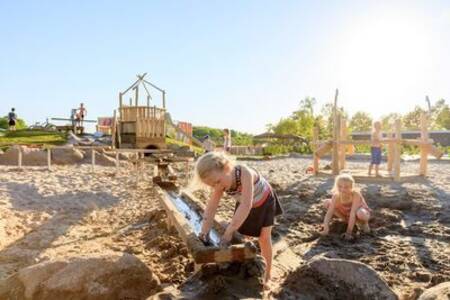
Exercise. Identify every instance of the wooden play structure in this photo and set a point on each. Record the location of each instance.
(75, 124)
(140, 126)
(340, 144)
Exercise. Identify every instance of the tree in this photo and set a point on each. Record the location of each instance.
(388, 120)
(441, 115)
(411, 120)
(361, 121)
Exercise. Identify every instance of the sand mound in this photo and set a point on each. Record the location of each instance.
(324, 278)
(66, 156)
(438, 292)
(102, 277)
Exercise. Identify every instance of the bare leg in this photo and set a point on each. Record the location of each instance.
(370, 169)
(376, 170)
(363, 216)
(265, 243)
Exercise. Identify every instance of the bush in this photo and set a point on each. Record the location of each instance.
(20, 124)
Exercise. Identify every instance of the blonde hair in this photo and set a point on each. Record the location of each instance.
(343, 178)
(207, 163)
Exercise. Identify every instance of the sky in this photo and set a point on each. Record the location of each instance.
(224, 64)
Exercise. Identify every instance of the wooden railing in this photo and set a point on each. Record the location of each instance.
(150, 127)
(133, 113)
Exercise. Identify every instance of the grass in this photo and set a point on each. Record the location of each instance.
(197, 150)
(31, 137)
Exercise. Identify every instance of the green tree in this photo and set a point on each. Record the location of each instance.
(441, 115)
(360, 121)
(411, 121)
(388, 120)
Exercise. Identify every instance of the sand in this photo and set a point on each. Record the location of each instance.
(71, 211)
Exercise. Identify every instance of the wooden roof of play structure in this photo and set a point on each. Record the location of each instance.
(337, 145)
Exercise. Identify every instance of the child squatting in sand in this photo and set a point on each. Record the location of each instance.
(256, 206)
(348, 205)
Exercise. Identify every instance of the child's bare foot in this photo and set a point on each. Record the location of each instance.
(267, 284)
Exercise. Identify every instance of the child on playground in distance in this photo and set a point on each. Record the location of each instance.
(348, 205)
(375, 149)
(256, 202)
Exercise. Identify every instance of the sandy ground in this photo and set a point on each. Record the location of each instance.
(70, 211)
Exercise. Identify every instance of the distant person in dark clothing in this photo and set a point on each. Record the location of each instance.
(12, 119)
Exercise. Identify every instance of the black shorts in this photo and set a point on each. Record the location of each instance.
(12, 123)
(261, 216)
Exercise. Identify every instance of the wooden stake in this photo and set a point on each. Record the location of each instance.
(315, 156)
(49, 158)
(423, 148)
(19, 158)
(113, 130)
(397, 151)
(93, 159)
(342, 148)
(117, 162)
(390, 152)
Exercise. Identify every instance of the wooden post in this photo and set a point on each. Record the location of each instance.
(93, 159)
(148, 101)
(136, 100)
(120, 101)
(49, 158)
(113, 131)
(343, 136)
(397, 150)
(131, 101)
(390, 152)
(117, 162)
(424, 148)
(137, 168)
(19, 157)
(315, 156)
(164, 99)
(336, 130)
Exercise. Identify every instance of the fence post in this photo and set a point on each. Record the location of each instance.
(397, 151)
(93, 159)
(19, 157)
(49, 158)
(423, 147)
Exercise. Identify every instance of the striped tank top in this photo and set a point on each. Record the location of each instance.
(261, 188)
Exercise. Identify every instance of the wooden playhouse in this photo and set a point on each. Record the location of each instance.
(141, 126)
